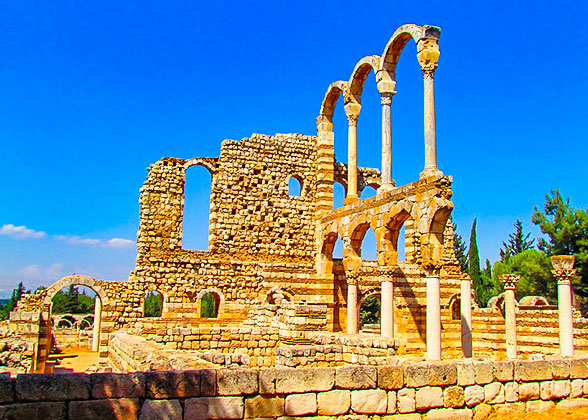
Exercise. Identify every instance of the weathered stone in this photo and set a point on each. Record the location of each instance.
(40, 410)
(390, 377)
(450, 414)
(35, 387)
(370, 401)
(213, 408)
(454, 397)
(301, 404)
(533, 370)
(406, 400)
(429, 397)
(173, 384)
(6, 389)
(483, 411)
(113, 408)
(504, 371)
(494, 393)
(413, 416)
(355, 377)
(550, 390)
(466, 374)
(579, 368)
(114, 385)
(515, 410)
(237, 382)
(511, 391)
(442, 374)
(577, 388)
(560, 369)
(484, 372)
(528, 391)
(304, 380)
(261, 406)
(161, 410)
(539, 405)
(416, 376)
(267, 381)
(474, 395)
(334, 403)
(573, 403)
(391, 402)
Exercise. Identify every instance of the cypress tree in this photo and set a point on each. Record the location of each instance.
(474, 267)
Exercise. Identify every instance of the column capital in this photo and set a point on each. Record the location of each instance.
(386, 97)
(510, 281)
(352, 277)
(428, 55)
(466, 278)
(564, 276)
(431, 269)
(352, 110)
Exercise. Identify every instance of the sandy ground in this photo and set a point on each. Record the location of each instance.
(73, 360)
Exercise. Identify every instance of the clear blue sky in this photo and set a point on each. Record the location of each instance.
(92, 95)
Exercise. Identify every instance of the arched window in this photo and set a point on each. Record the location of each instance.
(153, 305)
(338, 195)
(295, 186)
(369, 251)
(368, 192)
(209, 305)
(456, 310)
(196, 217)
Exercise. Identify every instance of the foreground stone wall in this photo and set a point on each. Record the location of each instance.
(457, 390)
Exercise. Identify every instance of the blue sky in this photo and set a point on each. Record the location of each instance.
(92, 96)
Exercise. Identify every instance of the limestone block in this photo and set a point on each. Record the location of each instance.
(301, 404)
(484, 372)
(557, 389)
(416, 376)
(161, 409)
(474, 395)
(304, 380)
(454, 397)
(511, 391)
(442, 374)
(579, 368)
(334, 403)
(577, 388)
(528, 391)
(560, 369)
(41, 410)
(213, 408)
(114, 385)
(355, 377)
(514, 410)
(237, 382)
(450, 414)
(429, 397)
(262, 406)
(494, 393)
(113, 408)
(391, 402)
(585, 387)
(43, 387)
(267, 381)
(370, 401)
(406, 400)
(390, 377)
(175, 384)
(573, 403)
(504, 371)
(414, 416)
(466, 374)
(533, 370)
(539, 405)
(483, 411)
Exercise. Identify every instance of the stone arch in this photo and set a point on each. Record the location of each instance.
(301, 185)
(153, 289)
(357, 231)
(66, 321)
(200, 161)
(533, 301)
(360, 73)
(76, 280)
(218, 297)
(398, 41)
(432, 227)
(454, 306)
(330, 100)
(389, 233)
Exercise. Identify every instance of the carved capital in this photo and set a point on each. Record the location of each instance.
(564, 275)
(428, 55)
(352, 110)
(431, 269)
(429, 70)
(386, 98)
(352, 277)
(510, 281)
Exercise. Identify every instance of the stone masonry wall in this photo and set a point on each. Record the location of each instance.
(451, 390)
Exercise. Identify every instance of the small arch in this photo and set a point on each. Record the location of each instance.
(360, 73)
(339, 194)
(66, 322)
(295, 186)
(210, 302)
(368, 191)
(533, 301)
(330, 100)
(455, 307)
(153, 304)
(396, 44)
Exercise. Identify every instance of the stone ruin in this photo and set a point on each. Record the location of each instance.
(280, 297)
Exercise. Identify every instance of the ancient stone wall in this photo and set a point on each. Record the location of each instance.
(442, 390)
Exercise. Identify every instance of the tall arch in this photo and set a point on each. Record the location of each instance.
(197, 205)
(360, 73)
(334, 90)
(398, 41)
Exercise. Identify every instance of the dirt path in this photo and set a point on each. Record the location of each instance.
(73, 360)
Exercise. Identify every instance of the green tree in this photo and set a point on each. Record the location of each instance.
(208, 306)
(369, 312)
(535, 270)
(14, 299)
(567, 234)
(153, 304)
(517, 242)
(474, 267)
(460, 248)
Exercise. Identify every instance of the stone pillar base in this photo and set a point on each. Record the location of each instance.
(429, 172)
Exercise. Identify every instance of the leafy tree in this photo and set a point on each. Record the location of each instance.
(11, 304)
(153, 304)
(369, 312)
(535, 270)
(72, 302)
(460, 248)
(517, 242)
(567, 234)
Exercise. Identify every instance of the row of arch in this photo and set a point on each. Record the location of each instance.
(384, 68)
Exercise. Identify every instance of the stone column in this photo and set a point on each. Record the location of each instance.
(352, 111)
(433, 313)
(564, 273)
(466, 316)
(387, 313)
(510, 284)
(97, 321)
(386, 100)
(352, 312)
(428, 55)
